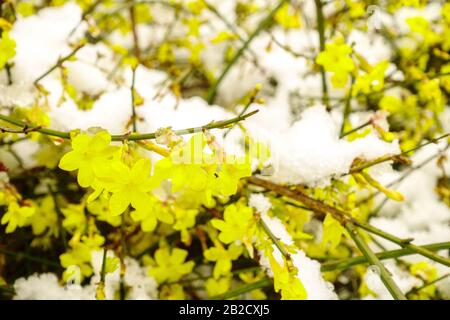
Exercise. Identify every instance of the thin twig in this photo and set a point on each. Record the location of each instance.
(347, 108)
(244, 289)
(275, 240)
(382, 159)
(60, 62)
(133, 102)
(373, 259)
(137, 50)
(365, 124)
(60, 216)
(136, 136)
(391, 254)
(321, 31)
(343, 217)
(427, 284)
(262, 25)
(31, 258)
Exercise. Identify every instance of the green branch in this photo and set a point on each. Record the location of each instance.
(100, 290)
(133, 100)
(347, 109)
(365, 124)
(382, 159)
(130, 136)
(404, 243)
(427, 284)
(373, 259)
(30, 257)
(391, 254)
(275, 240)
(60, 62)
(244, 289)
(343, 217)
(321, 31)
(337, 265)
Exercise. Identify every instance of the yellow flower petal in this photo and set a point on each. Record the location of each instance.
(85, 175)
(80, 142)
(118, 203)
(70, 161)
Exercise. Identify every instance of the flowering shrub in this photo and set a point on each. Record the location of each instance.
(193, 149)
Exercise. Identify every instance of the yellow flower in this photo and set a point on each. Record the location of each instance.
(197, 176)
(170, 265)
(223, 258)
(332, 231)
(185, 219)
(7, 49)
(80, 254)
(430, 93)
(150, 215)
(287, 17)
(336, 59)
(88, 155)
(288, 284)
(128, 185)
(371, 81)
(100, 208)
(74, 217)
(445, 11)
(236, 223)
(45, 218)
(229, 175)
(16, 216)
(193, 25)
(216, 287)
(421, 26)
(172, 292)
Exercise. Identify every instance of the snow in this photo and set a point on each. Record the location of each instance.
(422, 215)
(403, 279)
(260, 203)
(46, 286)
(311, 278)
(44, 36)
(308, 269)
(310, 151)
(142, 286)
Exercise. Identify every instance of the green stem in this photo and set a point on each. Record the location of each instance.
(229, 25)
(59, 63)
(60, 216)
(373, 259)
(133, 136)
(404, 243)
(244, 289)
(336, 265)
(103, 271)
(200, 277)
(347, 109)
(371, 163)
(244, 110)
(365, 124)
(123, 253)
(30, 257)
(415, 290)
(321, 31)
(262, 25)
(392, 254)
(343, 217)
(274, 239)
(133, 102)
